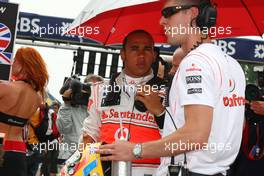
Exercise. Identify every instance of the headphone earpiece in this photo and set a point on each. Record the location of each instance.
(207, 15)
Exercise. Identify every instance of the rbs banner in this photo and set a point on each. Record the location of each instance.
(8, 18)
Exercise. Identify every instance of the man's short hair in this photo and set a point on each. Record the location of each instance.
(190, 2)
(93, 78)
(134, 32)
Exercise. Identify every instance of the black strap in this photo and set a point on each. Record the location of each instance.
(12, 120)
(172, 158)
(160, 120)
(112, 96)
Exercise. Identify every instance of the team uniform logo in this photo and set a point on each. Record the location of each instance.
(193, 68)
(232, 85)
(233, 100)
(194, 91)
(5, 39)
(194, 79)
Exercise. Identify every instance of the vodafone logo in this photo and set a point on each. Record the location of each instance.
(234, 101)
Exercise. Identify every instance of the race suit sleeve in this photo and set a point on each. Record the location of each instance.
(92, 124)
(199, 81)
(64, 120)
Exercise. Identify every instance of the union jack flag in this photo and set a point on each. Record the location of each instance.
(5, 39)
(5, 58)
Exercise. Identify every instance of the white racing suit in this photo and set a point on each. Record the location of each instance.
(103, 124)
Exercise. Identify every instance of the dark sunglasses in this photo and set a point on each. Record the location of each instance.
(169, 11)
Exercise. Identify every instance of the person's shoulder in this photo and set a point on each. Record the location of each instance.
(206, 53)
(28, 90)
(21, 86)
(5, 87)
(9, 87)
(207, 50)
(198, 60)
(5, 84)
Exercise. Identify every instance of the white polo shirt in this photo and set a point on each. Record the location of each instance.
(208, 76)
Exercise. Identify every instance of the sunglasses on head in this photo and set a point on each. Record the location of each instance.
(169, 11)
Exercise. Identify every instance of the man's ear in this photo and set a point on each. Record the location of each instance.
(194, 14)
(122, 54)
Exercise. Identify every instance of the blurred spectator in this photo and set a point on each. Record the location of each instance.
(34, 156)
(70, 121)
(250, 159)
(257, 107)
(159, 66)
(49, 165)
(177, 57)
(91, 78)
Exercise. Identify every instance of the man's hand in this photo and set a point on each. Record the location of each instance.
(151, 100)
(257, 107)
(119, 150)
(87, 139)
(67, 93)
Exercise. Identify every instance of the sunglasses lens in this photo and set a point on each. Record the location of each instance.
(167, 12)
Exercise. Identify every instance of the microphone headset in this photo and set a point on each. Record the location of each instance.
(207, 15)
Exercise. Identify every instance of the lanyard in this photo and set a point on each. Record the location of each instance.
(172, 158)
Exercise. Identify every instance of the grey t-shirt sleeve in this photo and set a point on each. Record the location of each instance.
(64, 120)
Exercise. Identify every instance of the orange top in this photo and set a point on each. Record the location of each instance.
(34, 120)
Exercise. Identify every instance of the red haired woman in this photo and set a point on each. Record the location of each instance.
(19, 100)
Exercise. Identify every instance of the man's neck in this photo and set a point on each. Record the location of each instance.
(194, 41)
(136, 76)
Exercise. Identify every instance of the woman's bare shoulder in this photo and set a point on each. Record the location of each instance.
(5, 86)
(4, 83)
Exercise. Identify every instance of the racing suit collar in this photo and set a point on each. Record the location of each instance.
(130, 80)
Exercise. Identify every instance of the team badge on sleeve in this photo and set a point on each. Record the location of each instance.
(193, 79)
